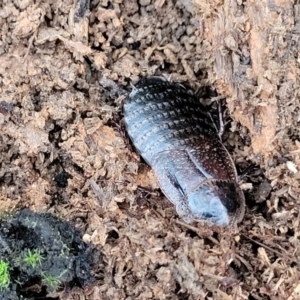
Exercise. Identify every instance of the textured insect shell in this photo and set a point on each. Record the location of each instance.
(176, 136)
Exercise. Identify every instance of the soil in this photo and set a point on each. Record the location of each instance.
(65, 70)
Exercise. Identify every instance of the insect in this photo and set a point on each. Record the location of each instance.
(176, 136)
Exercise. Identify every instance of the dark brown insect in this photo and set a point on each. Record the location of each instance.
(174, 133)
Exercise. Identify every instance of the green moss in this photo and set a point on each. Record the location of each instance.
(51, 282)
(33, 258)
(4, 275)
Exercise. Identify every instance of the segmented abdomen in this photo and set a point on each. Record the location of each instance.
(161, 115)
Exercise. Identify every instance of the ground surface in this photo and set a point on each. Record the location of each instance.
(64, 73)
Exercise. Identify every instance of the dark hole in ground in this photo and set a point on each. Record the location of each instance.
(61, 179)
(180, 295)
(112, 235)
(36, 100)
(81, 88)
(55, 134)
(259, 296)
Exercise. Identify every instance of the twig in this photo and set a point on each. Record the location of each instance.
(98, 192)
(222, 125)
(29, 46)
(197, 231)
(272, 250)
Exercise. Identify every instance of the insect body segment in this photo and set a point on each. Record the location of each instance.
(176, 136)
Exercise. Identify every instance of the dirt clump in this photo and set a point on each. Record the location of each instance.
(43, 254)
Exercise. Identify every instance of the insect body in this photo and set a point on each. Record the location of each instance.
(176, 136)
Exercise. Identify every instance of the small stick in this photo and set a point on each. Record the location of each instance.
(222, 125)
(246, 172)
(29, 46)
(221, 122)
(197, 231)
(272, 250)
